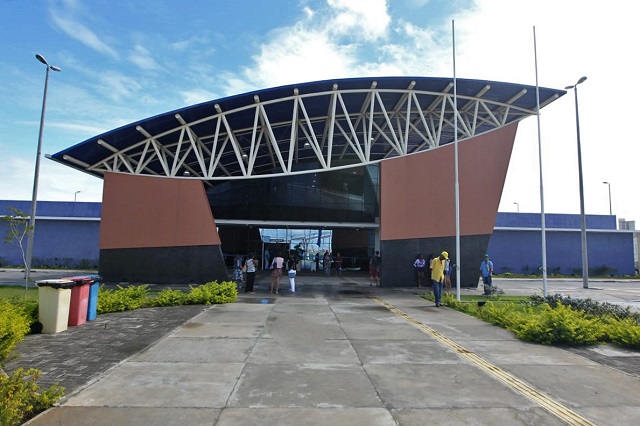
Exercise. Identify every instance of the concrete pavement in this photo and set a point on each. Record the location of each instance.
(341, 352)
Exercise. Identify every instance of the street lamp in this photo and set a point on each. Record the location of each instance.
(609, 185)
(34, 198)
(75, 196)
(517, 206)
(583, 220)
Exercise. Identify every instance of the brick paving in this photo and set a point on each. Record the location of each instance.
(80, 354)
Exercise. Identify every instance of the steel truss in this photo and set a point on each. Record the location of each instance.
(292, 135)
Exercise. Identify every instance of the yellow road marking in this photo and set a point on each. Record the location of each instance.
(564, 413)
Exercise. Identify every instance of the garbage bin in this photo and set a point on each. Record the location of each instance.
(54, 299)
(79, 300)
(92, 307)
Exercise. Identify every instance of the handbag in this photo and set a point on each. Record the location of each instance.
(292, 273)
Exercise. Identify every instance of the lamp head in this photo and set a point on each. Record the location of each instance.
(44, 61)
(41, 59)
(582, 79)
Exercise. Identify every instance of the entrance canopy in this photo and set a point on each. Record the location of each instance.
(307, 127)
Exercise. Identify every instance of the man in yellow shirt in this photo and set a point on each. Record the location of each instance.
(437, 275)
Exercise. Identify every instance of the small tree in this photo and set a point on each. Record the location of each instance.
(17, 228)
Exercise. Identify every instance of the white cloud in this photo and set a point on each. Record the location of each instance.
(299, 55)
(56, 182)
(366, 19)
(83, 34)
(117, 86)
(193, 97)
(141, 57)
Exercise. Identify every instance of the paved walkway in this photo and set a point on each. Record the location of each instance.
(334, 353)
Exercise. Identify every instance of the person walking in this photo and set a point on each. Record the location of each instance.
(419, 265)
(237, 269)
(267, 258)
(486, 270)
(326, 263)
(437, 275)
(291, 271)
(251, 265)
(338, 264)
(374, 269)
(447, 273)
(276, 271)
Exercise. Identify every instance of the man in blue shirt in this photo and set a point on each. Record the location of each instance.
(486, 269)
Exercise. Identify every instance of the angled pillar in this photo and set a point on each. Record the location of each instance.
(158, 230)
(417, 205)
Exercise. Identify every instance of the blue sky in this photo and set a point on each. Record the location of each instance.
(123, 61)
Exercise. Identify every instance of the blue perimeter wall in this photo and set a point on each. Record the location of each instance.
(67, 234)
(514, 248)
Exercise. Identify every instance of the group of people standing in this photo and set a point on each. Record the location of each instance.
(328, 261)
(440, 267)
(278, 265)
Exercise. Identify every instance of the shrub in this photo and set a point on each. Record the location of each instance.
(560, 325)
(14, 325)
(625, 332)
(21, 398)
(213, 292)
(134, 297)
(122, 299)
(502, 314)
(170, 297)
(588, 306)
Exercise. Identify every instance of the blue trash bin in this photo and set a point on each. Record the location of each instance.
(92, 309)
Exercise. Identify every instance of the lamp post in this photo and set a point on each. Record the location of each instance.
(517, 206)
(609, 185)
(583, 220)
(34, 198)
(75, 196)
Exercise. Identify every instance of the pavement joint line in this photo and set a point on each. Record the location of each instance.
(559, 410)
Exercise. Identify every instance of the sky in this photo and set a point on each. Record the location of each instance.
(123, 61)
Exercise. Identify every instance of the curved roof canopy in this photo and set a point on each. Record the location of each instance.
(308, 127)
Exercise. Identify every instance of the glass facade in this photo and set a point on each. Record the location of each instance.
(346, 195)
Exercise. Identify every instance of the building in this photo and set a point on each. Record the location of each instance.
(516, 245)
(363, 157)
(68, 235)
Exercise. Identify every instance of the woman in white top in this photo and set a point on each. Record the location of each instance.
(276, 271)
(251, 264)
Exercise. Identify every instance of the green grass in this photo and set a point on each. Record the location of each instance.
(16, 291)
(470, 302)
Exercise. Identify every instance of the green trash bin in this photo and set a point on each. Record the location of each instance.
(54, 301)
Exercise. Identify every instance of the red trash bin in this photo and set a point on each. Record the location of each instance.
(79, 300)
